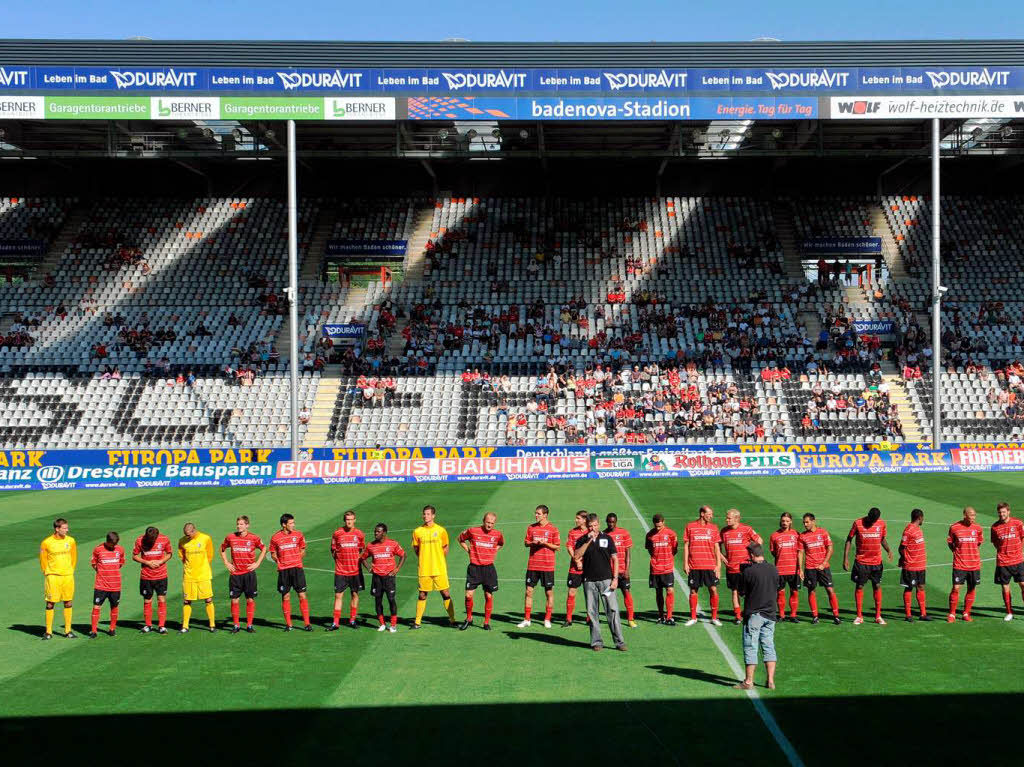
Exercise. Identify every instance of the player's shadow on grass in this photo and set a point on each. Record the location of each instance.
(558, 639)
(695, 674)
(36, 631)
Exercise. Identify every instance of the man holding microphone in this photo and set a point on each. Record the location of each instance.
(596, 555)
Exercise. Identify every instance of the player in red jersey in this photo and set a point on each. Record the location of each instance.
(153, 551)
(482, 544)
(815, 563)
(388, 557)
(662, 544)
(624, 547)
(913, 561)
(574, 580)
(784, 544)
(1007, 535)
(702, 561)
(964, 540)
(287, 549)
(242, 567)
(543, 541)
(107, 561)
(869, 532)
(347, 546)
(736, 536)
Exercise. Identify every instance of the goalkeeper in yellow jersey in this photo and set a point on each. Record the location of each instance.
(196, 552)
(58, 556)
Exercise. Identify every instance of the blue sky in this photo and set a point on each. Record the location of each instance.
(521, 20)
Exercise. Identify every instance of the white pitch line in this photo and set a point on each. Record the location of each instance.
(762, 711)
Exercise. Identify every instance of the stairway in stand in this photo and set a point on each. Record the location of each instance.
(785, 232)
(327, 393)
(912, 431)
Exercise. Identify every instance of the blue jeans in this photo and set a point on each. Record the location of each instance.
(758, 631)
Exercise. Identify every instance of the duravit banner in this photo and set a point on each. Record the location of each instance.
(514, 81)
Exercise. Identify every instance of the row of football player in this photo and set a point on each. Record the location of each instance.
(800, 557)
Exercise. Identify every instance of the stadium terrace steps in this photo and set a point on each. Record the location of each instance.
(73, 224)
(890, 252)
(327, 394)
(323, 225)
(912, 431)
(785, 232)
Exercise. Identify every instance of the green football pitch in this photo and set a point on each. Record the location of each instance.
(845, 693)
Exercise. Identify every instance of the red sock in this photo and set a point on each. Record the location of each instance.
(113, 618)
(812, 600)
(469, 608)
(234, 613)
(906, 602)
(250, 612)
(714, 605)
(921, 602)
(833, 602)
(147, 613)
(794, 603)
(547, 612)
(858, 596)
(782, 605)
(286, 610)
(877, 593)
(968, 602)
(570, 607)
(304, 607)
(738, 612)
(95, 618)
(526, 612)
(488, 606)
(1006, 601)
(670, 603)
(394, 620)
(380, 617)
(161, 614)
(628, 599)
(693, 605)
(353, 611)
(337, 616)
(954, 597)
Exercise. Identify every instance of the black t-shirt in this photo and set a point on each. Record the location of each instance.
(597, 559)
(760, 589)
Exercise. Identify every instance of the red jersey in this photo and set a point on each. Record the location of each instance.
(869, 541)
(243, 549)
(785, 546)
(161, 548)
(541, 557)
(1007, 537)
(288, 549)
(483, 545)
(815, 547)
(346, 548)
(108, 564)
(735, 541)
(383, 554)
(703, 539)
(913, 556)
(623, 542)
(966, 539)
(662, 546)
(570, 544)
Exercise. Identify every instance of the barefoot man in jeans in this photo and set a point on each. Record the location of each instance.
(760, 612)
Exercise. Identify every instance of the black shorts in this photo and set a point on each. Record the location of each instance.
(662, 581)
(148, 588)
(242, 584)
(292, 578)
(734, 581)
(793, 581)
(624, 582)
(912, 579)
(546, 578)
(1005, 574)
(698, 578)
(343, 583)
(814, 578)
(970, 578)
(574, 580)
(861, 574)
(382, 585)
(99, 597)
(482, 575)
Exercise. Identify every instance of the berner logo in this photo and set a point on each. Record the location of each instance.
(619, 80)
(12, 78)
(822, 79)
(50, 474)
(158, 79)
(954, 79)
(336, 79)
(500, 79)
(859, 107)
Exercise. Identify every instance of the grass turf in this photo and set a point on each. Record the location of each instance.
(510, 694)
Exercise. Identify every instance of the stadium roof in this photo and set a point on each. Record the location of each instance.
(493, 54)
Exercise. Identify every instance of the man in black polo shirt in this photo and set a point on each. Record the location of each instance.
(596, 555)
(760, 581)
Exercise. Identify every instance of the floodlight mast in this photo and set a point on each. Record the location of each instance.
(937, 291)
(293, 293)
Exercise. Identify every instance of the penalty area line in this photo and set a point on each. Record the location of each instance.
(762, 711)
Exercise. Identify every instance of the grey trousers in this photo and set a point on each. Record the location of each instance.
(593, 590)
